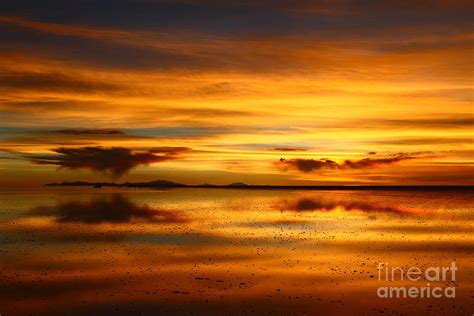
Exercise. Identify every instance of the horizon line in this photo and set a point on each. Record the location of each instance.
(242, 185)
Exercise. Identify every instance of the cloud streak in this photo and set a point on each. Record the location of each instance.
(114, 161)
(289, 149)
(89, 132)
(52, 81)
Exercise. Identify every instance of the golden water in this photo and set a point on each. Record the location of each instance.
(230, 252)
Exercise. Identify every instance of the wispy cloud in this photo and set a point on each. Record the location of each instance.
(52, 81)
(89, 132)
(287, 149)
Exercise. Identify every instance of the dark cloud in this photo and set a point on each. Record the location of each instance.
(89, 132)
(52, 81)
(244, 15)
(98, 47)
(336, 6)
(97, 37)
(372, 162)
(114, 209)
(115, 160)
(309, 165)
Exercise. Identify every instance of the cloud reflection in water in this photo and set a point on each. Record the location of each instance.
(308, 204)
(115, 208)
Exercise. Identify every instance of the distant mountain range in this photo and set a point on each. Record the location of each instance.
(153, 184)
(236, 185)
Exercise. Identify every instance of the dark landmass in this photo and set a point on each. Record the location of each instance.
(237, 184)
(81, 184)
(151, 184)
(241, 185)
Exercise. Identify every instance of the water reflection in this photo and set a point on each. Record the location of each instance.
(115, 208)
(233, 252)
(309, 204)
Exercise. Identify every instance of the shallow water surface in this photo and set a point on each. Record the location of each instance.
(230, 251)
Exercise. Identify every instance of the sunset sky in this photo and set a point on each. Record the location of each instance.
(264, 92)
